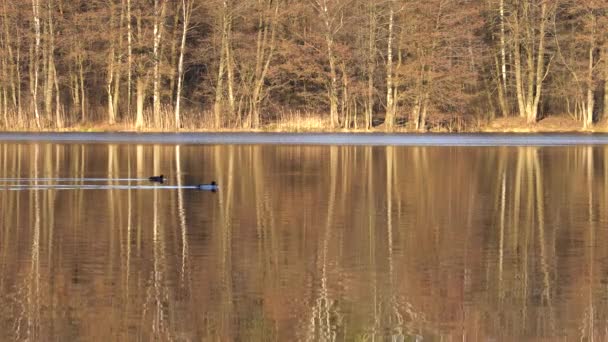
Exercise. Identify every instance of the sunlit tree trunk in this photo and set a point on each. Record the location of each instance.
(141, 92)
(224, 68)
(503, 54)
(333, 86)
(217, 106)
(518, 71)
(83, 112)
(501, 66)
(11, 65)
(109, 80)
(590, 98)
(52, 81)
(322, 7)
(174, 50)
(540, 66)
(390, 106)
(266, 46)
(605, 50)
(186, 12)
(528, 92)
(502, 90)
(47, 56)
(371, 65)
(35, 60)
(230, 67)
(159, 15)
(129, 59)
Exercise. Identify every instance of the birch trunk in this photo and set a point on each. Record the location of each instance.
(265, 52)
(36, 60)
(219, 87)
(155, 59)
(503, 59)
(53, 82)
(111, 70)
(129, 58)
(230, 67)
(174, 51)
(518, 71)
(390, 107)
(48, 75)
(109, 79)
(159, 14)
(222, 66)
(18, 78)
(82, 90)
(371, 64)
(540, 67)
(590, 100)
(186, 11)
(141, 91)
(333, 87)
(11, 65)
(529, 91)
(605, 83)
(502, 101)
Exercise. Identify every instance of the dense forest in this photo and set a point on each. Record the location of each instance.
(349, 64)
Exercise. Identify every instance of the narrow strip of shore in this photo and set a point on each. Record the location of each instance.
(371, 139)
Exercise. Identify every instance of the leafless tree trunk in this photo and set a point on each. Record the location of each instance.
(129, 58)
(503, 54)
(605, 50)
(159, 15)
(53, 82)
(371, 65)
(331, 28)
(186, 12)
(141, 92)
(529, 93)
(265, 50)
(109, 80)
(82, 89)
(390, 99)
(590, 99)
(12, 65)
(35, 61)
(225, 67)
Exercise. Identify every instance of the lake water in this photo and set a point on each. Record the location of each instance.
(309, 243)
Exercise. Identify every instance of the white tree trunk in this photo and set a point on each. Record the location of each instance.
(390, 107)
(590, 100)
(129, 58)
(186, 10)
(159, 14)
(36, 60)
(503, 54)
(371, 66)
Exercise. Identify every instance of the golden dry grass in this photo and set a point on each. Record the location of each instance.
(292, 121)
(550, 124)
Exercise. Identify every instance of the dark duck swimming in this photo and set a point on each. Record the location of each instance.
(157, 179)
(210, 187)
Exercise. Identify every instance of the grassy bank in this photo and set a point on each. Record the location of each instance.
(295, 122)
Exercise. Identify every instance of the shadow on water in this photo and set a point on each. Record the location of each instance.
(303, 243)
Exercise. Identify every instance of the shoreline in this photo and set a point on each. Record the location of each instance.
(347, 139)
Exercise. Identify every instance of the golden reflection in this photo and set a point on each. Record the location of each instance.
(304, 243)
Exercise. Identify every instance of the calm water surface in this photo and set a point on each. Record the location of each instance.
(316, 243)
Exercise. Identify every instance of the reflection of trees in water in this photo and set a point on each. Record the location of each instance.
(324, 243)
(321, 324)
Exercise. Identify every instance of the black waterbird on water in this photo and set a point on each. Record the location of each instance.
(157, 179)
(210, 187)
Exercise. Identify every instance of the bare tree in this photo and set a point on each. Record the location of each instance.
(35, 59)
(530, 17)
(186, 13)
